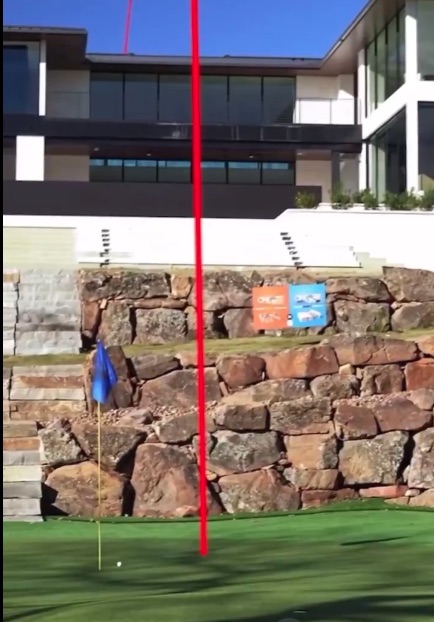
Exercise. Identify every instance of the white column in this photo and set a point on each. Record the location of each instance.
(42, 77)
(412, 109)
(30, 158)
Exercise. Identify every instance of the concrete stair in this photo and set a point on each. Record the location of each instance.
(22, 472)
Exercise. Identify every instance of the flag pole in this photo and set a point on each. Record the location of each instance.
(99, 490)
(197, 209)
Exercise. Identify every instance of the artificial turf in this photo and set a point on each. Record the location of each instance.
(361, 566)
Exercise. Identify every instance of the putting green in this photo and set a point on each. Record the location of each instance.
(362, 566)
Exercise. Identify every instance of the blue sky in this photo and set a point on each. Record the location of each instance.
(238, 27)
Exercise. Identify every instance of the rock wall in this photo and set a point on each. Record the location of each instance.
(349, 418)
(143, 307)
(61, 312)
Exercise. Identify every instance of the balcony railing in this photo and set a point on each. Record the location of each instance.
(318, 111)
(325, 111)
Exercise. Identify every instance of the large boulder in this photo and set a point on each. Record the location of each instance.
(335, 386)
(213, 324)
(213, 297)
(426, 345)
(237, 287)
(420, 374)
(421, 472)
(312, 451)
(259, 491)
(72, 490)
(408, 285)
(118, 442)
(100, 284)
(303, 416)
(373, 461)
(149, 366)
(165, 482)
(239, 453)
(240, 371)
(239, 323)
(358, 288)
(413, 315)
(362, 317)
(400, 413)
(302, 363)
(180, 428)
(181, 286)
(353, 421)
(241, 417)
(270, 391)
(424, 500)
(312, 479)
(159, 326)
(58, 445)
(178, 389)
(115, 328)
(371, 350)
(379, 379)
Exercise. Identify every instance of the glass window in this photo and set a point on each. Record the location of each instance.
(425, 26)
(371, 82)
(245, 100)
(214, 172)
(175, 99)
(278, 173)
(141, 97)
(392, 78)
(401, 47)
(214, 99)
(426, 146)
(105, 170)
(279, 100)
(244, 173)
(21, 79)
(174, 171)
(106, 96)
(140, 170)
(381, 67)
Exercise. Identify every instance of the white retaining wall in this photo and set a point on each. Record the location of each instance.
(326, 238)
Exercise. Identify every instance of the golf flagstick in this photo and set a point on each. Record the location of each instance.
(99, 490)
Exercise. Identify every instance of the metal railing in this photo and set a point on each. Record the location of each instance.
(326, 111)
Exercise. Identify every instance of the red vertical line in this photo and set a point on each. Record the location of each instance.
(128, 26)
(197, 210)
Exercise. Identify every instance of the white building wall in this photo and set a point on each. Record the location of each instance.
(315, 173)
(66, 168)
(68, 94)
(325, 99)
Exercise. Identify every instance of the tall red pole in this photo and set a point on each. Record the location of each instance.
(197, 210)
(128, 26)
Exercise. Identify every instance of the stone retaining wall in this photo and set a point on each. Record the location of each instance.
(61, 311)
(349, 418)
(142, 307)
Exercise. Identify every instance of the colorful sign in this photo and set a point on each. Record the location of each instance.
(307, 305)
(270, 307)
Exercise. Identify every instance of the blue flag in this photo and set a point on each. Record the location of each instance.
(104, 375)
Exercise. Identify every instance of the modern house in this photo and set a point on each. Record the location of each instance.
(107, 135)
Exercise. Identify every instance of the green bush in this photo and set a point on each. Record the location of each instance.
(306, 200)
(340, 198)
(427, 201)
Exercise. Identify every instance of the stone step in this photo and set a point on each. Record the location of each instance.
(21, 444)
(24, 473)
(21, 429)
(21, 458)
(21, 507)
(22, 490)
(23, 519)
